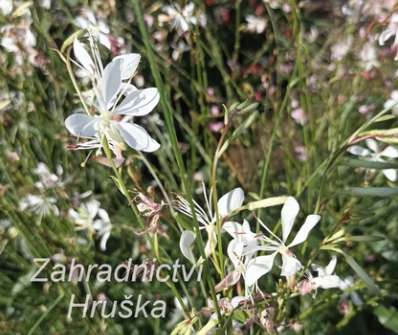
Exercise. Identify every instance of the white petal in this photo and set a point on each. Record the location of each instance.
(92, 207)
(211, 243)
(385, 36)
(6, 7)
(372, 145)
(103, 27)
(186, 242)
(331, 266)
(235, 251)
(104, 40)
(188, 10)
(302, 234)
(232, 228)
(129, 64)
(238, 231)
(139, 102)
(390, 103)
(346, 283)
(111, 80)
(81, 125)
(103, 214)
(104, 240)
(246, 227)
(81, 22)
(89, 15)
(288, 214)
(326, 282)
(230, 201)
(390, 152)
(391, 174)
(257, 268)
(290, 265)
(250, 248)
(137, 137)
(357, 150)
(183, 25)
(128, 88)
(82, 56)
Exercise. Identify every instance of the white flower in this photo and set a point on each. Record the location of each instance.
(392, 102)
(341, 48)
(391, 31)
(256, 24)
(117, 102)
(6, 7)
(207, 219)
(47, 179)
(374, 153)
(326, 279)
(368, 56)
(45, 4)
(98, 28)
(91, 217)
(182, 18)
(261, 265)
(240, 251)
(178, 49)
(39, 205)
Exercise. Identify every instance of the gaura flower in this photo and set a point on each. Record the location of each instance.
(368, 56)
(207, 219)
(373, 152)
(325, 278)
(261, 265)
(40, 205)
(116, 103)
(256, 24)
(298, 114)
(94, 219)
(98, 28)
(240, 251)
(182, 18)
(340, 49)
